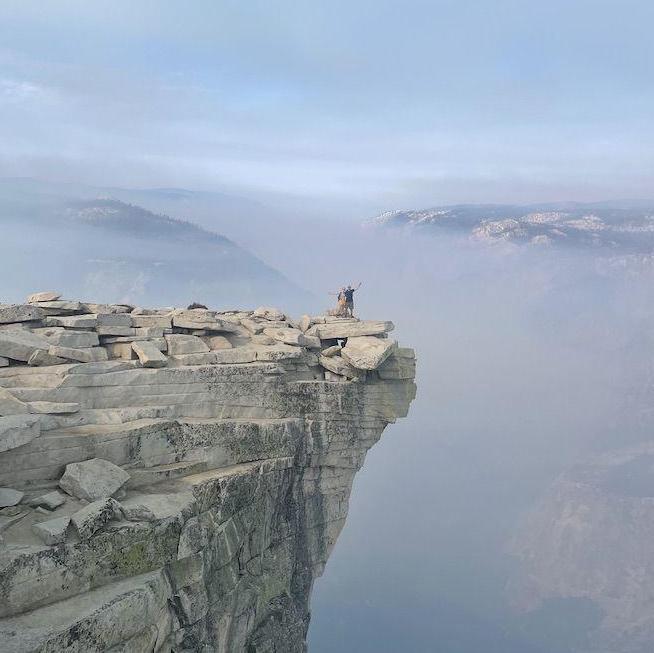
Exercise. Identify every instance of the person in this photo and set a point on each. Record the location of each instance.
(340, 310)
(349, 299)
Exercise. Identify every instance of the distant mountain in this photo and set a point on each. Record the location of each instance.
(60, 237)
(621, 226)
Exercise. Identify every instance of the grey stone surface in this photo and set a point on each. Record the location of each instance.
(185, 344)
(53, 407)
(17, 430)
(94, 516)
(20, 313)
(10, 497)
(42, 358)
(87, 355)
(367, 352)
(52, 531)
(10, 405)
(349, 329)
(93, 479)
(50, 500)
(45, 296)
(149, 354)
(21, 344)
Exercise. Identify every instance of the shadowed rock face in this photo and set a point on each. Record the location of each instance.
(591, 539)
(239, 480)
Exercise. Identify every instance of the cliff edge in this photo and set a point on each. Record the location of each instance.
(174, 480)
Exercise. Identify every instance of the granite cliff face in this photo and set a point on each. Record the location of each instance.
(174, 480)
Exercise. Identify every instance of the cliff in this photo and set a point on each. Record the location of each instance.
(174, 480)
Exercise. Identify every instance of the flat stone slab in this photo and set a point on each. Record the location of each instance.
(41, 358)
(9, 405)
(52, 531)
(179, 343)
(367, 352)
(93, 517)
(20, 313)
(149, 354)
(47, 296)
(17, 430)
(10, 497)
(153, 507)
(50, 500)
(73, 321)
(346, 329)
(21, 344)
(339, 366)
(93, 479)
(53, 407)
(88, 355)
(68, 338)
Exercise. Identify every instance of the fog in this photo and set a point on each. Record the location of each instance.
(528, 361)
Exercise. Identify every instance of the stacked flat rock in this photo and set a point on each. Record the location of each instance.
(165, 473)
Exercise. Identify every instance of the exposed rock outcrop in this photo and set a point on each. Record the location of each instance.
(206, 467)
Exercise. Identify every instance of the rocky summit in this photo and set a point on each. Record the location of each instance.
(174, 479)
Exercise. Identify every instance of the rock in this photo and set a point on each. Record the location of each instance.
(53, 407)
(17, 430)
(334, 378)
(153, 507)
(331, 351)
(400, 365)
(61, 307)
(184, 344)
(51, 500)
(73, 321)
(20, 313)
(350, 329)
(52, 531)
(4, 362)
(261, 339)
(149, 354)
(269, 313)
(43, 297)
(288, 336)
(21, 344)
(10, 497)
(93, 517)
(161, 321)
(337, 365)
(9, 405)
(7, 522)
(367, 352)
(92, 479)
(216, 342)
(304, 323)
(115, 331)
(67, 338)
(201, 358)
(115, 320)
(202, 320)
(103, 367)
(88, 355)
(254, 326)
(41, 358)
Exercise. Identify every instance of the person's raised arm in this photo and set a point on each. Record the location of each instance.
(359, 286)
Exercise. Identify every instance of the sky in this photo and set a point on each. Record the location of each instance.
(367, 105)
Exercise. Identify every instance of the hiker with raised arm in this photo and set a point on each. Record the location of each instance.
(349, 299)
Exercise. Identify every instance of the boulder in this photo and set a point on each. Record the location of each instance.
(93, 479)
(20, 313)
(400, 365)
(41, 358)
(339, 366)
(216, 342)
(10, 497)
(287, 336)
(51, 500)
(261, 339)
(331, 351)
(304, 323)
(52, 531)
(179, 343)
(43, 297)
(93, 517)
(149, 354)
(87, 355)
(350, 329)
(17, 430)
(20, 344)
(9, 405)
(269, 313)
(367, 352)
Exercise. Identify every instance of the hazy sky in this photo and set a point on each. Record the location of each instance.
(375, 103)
